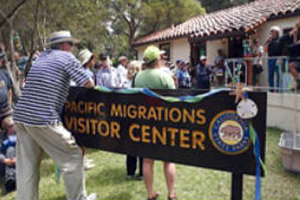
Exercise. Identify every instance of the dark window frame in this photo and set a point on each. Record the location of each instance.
(166, 47)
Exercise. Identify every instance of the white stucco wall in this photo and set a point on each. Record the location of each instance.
(280, 111)
(140, 50)
(212, 47)
(179, 49)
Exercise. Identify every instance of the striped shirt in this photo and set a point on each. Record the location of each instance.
(47, 86)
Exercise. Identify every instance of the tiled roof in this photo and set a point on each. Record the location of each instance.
(244, 18)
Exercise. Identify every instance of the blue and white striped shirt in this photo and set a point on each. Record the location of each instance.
(47, 86)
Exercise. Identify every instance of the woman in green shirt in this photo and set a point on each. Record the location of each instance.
(152, 77)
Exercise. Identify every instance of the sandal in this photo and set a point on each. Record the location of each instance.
(172, 198)
(155, 197)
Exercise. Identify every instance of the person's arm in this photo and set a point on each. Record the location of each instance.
(77, 73)
(10, 96)
(170, 82)
(89, 84)
(9, 86)
(293, 31)
(211, 71)
(266, 47)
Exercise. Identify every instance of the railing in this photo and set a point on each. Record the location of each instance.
(241, 70)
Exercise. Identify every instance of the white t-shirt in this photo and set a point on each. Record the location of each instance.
(166, 70)
(258, 58)
(122, 73)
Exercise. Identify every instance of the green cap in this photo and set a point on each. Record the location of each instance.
(151, 54)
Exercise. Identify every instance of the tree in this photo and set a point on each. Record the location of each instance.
(9, 20)
(136, 18)
(101, 25)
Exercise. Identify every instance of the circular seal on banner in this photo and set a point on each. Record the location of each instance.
(229, 133)
(247, 109)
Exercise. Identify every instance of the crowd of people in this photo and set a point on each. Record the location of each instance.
(104, 73)
(36, 116)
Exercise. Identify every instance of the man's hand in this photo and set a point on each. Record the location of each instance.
(294, 31)
(9, 162)
(89, 84)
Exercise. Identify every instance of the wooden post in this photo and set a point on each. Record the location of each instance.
(237, 186)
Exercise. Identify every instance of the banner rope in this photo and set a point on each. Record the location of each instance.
(148, 92)
(258, 160)
(287, 78)
(57, 174)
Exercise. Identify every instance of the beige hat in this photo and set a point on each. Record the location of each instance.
(7, 122)
(84, 56)
(61, 36)
(122, 58)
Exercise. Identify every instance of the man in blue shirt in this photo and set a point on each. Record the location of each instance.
(203, 74)
(107, 75)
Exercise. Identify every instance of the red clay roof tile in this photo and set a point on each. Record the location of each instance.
(245, 18)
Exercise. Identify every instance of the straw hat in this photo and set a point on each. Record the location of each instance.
(122, 58)
(62, 36)
(84, 56)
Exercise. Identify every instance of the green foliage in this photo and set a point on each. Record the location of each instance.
(101, 25)
(163, 14)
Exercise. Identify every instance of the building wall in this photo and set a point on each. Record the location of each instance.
(281, 111)
(212, 47)
(180, 49)
(140, 50)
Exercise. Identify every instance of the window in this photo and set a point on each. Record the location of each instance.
(167, 48)
(197, 49)
(285, 51)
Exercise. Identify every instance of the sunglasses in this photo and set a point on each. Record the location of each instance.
(70, 43)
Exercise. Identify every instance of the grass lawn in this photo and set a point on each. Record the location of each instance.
(107, 179)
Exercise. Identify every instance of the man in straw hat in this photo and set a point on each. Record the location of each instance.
(153, 78)
(38, 122)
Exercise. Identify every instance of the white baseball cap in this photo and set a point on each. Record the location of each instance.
(203, 58)
(275, 28)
